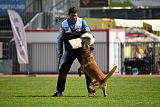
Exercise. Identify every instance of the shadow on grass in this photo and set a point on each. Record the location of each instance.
(47, 96)
(33, 96)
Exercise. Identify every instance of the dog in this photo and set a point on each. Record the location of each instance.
(89, 66)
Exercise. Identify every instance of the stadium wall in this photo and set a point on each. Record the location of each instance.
(43, 54)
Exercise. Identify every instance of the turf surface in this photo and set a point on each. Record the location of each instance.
(37, 91)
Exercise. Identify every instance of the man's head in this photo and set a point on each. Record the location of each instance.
(137, 47)
(73, 13)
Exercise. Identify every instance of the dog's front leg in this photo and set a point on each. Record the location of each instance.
(82, 65)
(79, 69)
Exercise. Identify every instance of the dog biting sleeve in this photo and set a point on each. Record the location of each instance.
(76, 43)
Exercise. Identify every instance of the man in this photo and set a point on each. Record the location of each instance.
(70, 29)
(138, 53)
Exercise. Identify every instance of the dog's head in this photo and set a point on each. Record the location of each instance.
(86, 49)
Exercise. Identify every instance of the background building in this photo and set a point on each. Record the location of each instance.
(42, 19)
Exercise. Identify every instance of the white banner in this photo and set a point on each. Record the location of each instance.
(19, 36)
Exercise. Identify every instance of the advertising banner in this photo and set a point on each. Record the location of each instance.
(19, 36)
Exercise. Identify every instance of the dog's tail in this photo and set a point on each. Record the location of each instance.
(110, 73)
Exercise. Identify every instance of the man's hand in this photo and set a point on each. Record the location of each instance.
(60, 55)
(59, 60)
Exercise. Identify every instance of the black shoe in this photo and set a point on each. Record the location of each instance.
(57, 94)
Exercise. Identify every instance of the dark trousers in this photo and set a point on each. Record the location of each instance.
(69, 57)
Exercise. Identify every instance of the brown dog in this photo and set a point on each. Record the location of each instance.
(89, 66)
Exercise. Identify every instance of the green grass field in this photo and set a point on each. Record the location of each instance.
(37, 91)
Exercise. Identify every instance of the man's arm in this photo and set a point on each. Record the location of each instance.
(85, 27)
(60, 41)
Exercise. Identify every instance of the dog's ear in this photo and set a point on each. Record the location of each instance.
(83, 42)
(91, 48)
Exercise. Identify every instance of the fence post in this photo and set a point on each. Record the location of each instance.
(154, 58)
(122, 58)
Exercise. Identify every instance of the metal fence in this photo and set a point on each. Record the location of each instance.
(151, 58)
(43, 58)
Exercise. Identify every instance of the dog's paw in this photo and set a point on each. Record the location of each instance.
(79, 73)
(90, 95)
(79, 69)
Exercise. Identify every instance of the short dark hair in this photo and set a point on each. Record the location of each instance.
(72, 10)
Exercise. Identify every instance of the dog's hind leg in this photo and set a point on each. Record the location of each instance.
(103, 86)
(94, 84)
(104, 91)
